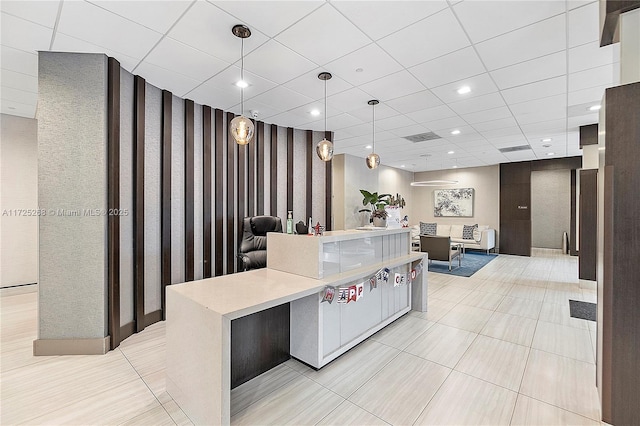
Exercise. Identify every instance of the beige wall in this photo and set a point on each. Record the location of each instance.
(486, 209)
(19, 234)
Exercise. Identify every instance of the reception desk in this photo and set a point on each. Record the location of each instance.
(299, 270)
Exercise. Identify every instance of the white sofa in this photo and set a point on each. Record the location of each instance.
(484, 238)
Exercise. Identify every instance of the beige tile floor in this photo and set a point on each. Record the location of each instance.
(494, 349)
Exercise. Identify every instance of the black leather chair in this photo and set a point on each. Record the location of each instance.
(253, 247)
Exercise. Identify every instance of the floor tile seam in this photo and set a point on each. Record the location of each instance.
(592, 364)
(564, 325)
(141, 378)
(180, 408)
(145, 412)
(562, 408)
(434, 395)
(351, 402)
(44, 358)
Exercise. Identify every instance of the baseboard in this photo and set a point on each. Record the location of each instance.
(47, 347)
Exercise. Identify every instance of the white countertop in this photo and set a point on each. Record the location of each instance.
(352, 234)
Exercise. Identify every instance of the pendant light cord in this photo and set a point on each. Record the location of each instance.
(373, 123)
(242, 77)
(325, 109)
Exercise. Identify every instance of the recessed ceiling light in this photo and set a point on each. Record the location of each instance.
(546, 140)
(315, 112)
(463, 90)
(546, 145)
(242, 84)
(455, 132)
(359, 70)
(402, 165)
(367, 147)
(594, 107)
(551, 153)
(451, 152)
(454, 167)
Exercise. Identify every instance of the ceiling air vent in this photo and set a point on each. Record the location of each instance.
(514, 148)
(422, 137)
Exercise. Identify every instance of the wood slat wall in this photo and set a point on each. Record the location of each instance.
(165, 193)
(188, 189)
(138, 200)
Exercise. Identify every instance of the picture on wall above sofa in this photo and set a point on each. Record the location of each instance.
(453, 202)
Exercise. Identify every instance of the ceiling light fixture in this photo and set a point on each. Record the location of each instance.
(242, 84)
(403, 166)
(546, 145)
(451, 152)
(464, 90)
(324, 149)
(367, 147)
(455, 132)
(241, 127)
(315, 112)
(373, 159)
(594, 107)
(434, 182)
(546, 140)
(551, 153)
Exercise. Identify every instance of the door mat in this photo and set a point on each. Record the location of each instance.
(583, 310)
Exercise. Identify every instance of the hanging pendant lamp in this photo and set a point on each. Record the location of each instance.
(324, 149)
(241, 127)
(373, 159)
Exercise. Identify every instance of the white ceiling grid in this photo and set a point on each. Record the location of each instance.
(534, 67)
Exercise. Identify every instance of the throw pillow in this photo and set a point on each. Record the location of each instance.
(467, 231)
(428, 228)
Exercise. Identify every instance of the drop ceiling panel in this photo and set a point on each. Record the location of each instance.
(546, 67)
(227, 78)
(20, 96)
(591, 78)
(18, 80)
(502, 123)
(592, 95)
(487, 115)
(539, 116)
(371, 60)
(397, 122)
(480, 85)
(537, 90)
(267, 62)
(182, 59)
(157, 15)
(487, 19)
(387, 17)
(539, 39)
(253, 105)
(65, 43)
(557, 103)
(282, 98)
(414, 102)
(590, 55)
(414, 44)
(365, 113)
(323, 36)
(177, 84)
(455, 66)
(195, 29)
(348, 100)
(210, 94)
(19, 60)
(18, 108)
(312, 87)
(580, 20)
(575, 122)
(450, 123)
(270, 17)
(432, 114)
(39, 12)
(95, 25)
(411, 129)
(393, 86)
(24, 35)
(504, 132)
(547, 127)
(285, 119)
(338, 122)
(480, 103)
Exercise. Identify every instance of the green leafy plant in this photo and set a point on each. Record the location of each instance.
(376, 201)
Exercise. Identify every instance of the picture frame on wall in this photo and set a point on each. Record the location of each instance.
(453, 202)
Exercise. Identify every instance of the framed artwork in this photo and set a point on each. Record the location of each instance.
(453, 202)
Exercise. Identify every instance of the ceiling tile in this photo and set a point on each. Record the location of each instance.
(412, 129)
(383, 110)
(557, 103)
(592, 95)
(600, 76)
(336, 122)
(590, 55)
(156, 15)
(537, 90)
(24, 35)
(486, 19)
(19, 60)
(349, 100)
(428, 39)
(487, 115)
(20, 96)
(270, 17)
(479, 103)
(210, 94)
(65, 43)
(311, 86)
(180, 58)
(165, 79)
(282, 98)
(397, 122)
(581, 24)
(39, 12)
(455, 66)
(582, 109)
(539, 39)
(450, 123)
(393, 86)
(431, 114)
(371, 60)
(513, 131)
(252, 105)
(95, 25)
(539, 116)
(549, 66)
(195, 29)
(17, 108)
(547, 127)
(378, 19)
(414, 102)
(481, 84)
(582, 120)
(495, 124)
(287, 119)
(18, 80)
(323, 36)
(225, 81)
(267, 61)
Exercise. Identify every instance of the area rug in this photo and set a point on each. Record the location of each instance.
(583, 310)
(471, 263)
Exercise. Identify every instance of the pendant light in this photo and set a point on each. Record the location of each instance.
(373, 159)
(241, 127)
(324, 149)
(434, 182)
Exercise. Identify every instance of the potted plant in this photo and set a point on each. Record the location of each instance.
(377, 202)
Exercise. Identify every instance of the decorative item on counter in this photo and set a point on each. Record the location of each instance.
(405, 221)
(290, 222)
(301, 228)
(310, 230)
(328, 294)
(400, 279)
(377, 204)
(343, 294)
(383, 275)
(318, 229)
(353, 293)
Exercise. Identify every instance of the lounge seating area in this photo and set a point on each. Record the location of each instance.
(441, 248)
(479, 237)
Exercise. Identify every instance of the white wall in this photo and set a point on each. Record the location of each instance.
(19, 190)
(484, 180)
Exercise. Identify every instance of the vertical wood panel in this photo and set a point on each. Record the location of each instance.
(231, 175)
(329, 186)
(588, 224)
(165, 212)
(206, 189)
(515, 208)
(219, 184)
(574, 201)
(251, 175)
(309, 177)
(188, 189)
(274, 171)
(113, 199)
(289, 168)
(241, 172)
(138, 200)
(260, 168)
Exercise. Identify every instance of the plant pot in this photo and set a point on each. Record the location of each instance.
(380, 222)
